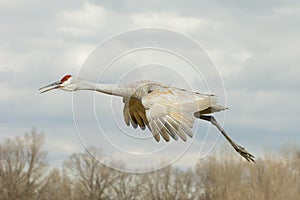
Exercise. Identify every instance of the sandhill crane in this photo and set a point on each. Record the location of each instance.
(166, 111)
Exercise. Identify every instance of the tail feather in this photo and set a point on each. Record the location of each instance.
(209, 110)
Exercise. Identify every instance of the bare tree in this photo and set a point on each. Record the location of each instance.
(222, 176)
(24, 174)
(57, 185)
(90, 177)
(127, 186)
(170, 183)
(23, 164)
(273, 178)
(219, 176)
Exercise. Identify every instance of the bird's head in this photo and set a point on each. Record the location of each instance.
(67, 83)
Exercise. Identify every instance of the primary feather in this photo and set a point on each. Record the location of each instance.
(166, 111)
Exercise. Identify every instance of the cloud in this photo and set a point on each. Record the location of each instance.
(254, 45)
(169, 20)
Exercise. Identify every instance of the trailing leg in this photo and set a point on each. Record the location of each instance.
(241, 150)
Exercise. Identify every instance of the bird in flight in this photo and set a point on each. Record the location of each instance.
(168, 112)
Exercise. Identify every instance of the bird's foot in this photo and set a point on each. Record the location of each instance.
(242, 151)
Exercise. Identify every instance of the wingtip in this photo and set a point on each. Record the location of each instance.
(157, 137)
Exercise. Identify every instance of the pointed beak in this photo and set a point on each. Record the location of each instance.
(52, 86)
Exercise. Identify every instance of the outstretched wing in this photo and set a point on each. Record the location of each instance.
(134, 113)
(168, 114)
(165, 111)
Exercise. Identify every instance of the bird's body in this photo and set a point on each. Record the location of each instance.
(166, 111)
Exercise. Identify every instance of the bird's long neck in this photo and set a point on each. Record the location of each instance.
(112, 89)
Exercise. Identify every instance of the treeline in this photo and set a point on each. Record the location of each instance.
(26, 174)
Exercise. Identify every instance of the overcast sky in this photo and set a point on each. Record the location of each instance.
(254, 45)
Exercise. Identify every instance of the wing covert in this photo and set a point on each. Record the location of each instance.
(167, 112)
(167, 115)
